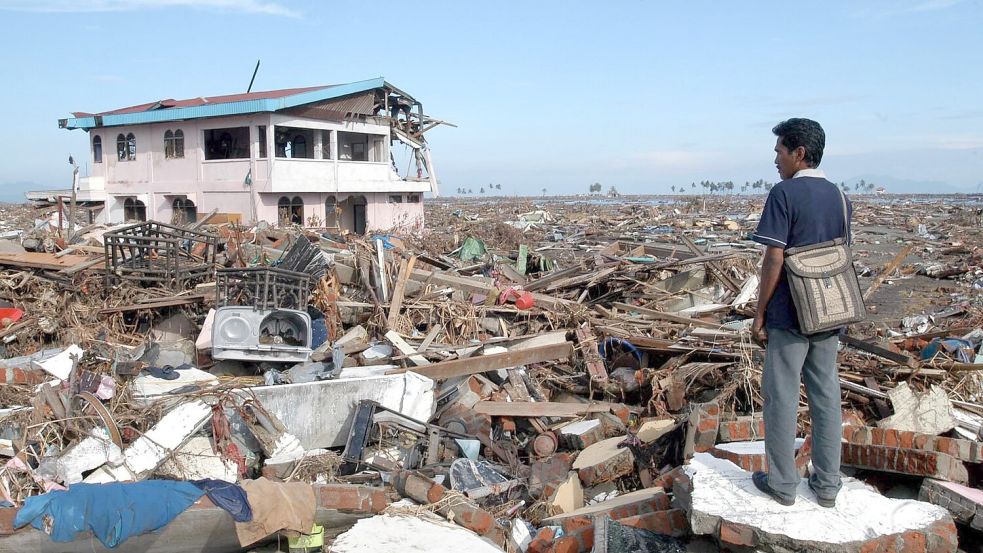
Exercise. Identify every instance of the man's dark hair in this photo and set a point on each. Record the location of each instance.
(803, 132)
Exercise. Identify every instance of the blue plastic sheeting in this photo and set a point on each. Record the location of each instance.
(228, 496)
(112, 512)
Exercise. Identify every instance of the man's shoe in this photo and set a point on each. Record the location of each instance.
(760, 480)
(828, 502)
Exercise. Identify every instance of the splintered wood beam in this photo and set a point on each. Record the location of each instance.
(495, 361)
(398, 341)
(888, 269)
(397, 300)
(538, 408)
(659, 315)
(883, 353)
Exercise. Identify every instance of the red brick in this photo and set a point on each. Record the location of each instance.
(737, 534)
(670, 522)
(542, 542)
(566, 544)
(907, 461)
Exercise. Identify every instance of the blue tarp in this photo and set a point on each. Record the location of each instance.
(113, 512)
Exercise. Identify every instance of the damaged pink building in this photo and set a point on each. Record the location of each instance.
(351, 157)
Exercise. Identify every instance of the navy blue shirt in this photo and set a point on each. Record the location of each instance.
(798, 212)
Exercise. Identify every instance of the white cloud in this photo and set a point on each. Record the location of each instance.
(92, 6)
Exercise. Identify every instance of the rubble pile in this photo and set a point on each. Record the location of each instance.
(550, 375)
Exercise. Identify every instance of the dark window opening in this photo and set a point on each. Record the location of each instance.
(97, 149)
(126, 147)
(262, 141)
(354, 146)
(231, 143)
(134, 210)
(294, 143)
(183, 211)
(413, 198)
(395, 198)
(173, 144)
(331, 212)
(290, 211)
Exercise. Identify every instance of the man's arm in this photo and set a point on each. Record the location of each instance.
(771, 271)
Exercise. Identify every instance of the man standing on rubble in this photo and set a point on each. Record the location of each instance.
(803, 209)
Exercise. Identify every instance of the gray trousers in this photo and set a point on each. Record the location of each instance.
(790, 357)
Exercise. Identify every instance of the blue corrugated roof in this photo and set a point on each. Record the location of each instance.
(222, 109)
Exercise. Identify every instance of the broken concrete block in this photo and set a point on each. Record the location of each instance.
(927, 413)
(581, 434)
(704, 424)
(569, 496)
(356, 339)
(399, 534)
(964, 450)
(318, 423)
(197, 460)
(965, 504)
(750, 456)
(604, 461)
(723, 502)
(904, 461)
(147, 387)
(547, 475)
(90, 453)
(147, 452)
(60, 365)
(630, 504)
(652, 430)
(747, 428)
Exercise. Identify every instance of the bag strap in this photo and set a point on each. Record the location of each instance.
(846, 217)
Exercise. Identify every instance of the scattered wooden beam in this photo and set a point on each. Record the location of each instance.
(659, 315)
(169, 302)
(883, 353)
(495, 361)
(398, 341)
(538, 408)
(888, 269)
(397, 300)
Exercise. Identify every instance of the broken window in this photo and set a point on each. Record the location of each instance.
(413, 198)
(183, 211)
(262, 141)
(294, 143)
(134, 210)
(290, 211)
(97, 149)
(126, 147)
(352, 146)
(325, 144)
(331, 211)
(395, 198)
(230, 143)
(173, 144)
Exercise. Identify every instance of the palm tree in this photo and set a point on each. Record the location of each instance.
(544, 191)
(674, 189)
(482, 190)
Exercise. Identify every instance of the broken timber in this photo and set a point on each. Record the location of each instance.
(483, 363)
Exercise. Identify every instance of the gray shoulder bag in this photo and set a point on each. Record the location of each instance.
(824, 283)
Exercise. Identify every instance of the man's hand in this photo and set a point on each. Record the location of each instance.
(758, 332)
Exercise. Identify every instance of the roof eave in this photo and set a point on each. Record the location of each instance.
(220, 110)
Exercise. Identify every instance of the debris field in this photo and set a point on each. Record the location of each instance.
(536, 375)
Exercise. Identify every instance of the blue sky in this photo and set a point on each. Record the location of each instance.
(555, 95)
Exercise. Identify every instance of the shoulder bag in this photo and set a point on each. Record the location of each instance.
(824, 283)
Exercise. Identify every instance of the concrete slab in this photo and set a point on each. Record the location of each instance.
(409, 534)
(723, 502)
(320, 413)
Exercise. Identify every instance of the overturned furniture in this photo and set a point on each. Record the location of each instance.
(160, 254)
(261, 315)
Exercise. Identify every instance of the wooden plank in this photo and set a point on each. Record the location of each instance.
(397, 301)
(659, 315)
(883, 353)
(431, 336)
(588, 348)
(538, 408)
(883, 411)
(82, 266)
(476, 286)
(507, 360)
(170, 302)
(398, 341)
(48, 261)
(888, 269)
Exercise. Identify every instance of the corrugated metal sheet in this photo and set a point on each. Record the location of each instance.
(359, 104)
(223, 109)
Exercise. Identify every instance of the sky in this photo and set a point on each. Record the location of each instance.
(640, 95)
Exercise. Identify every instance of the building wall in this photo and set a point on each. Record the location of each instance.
(222, 184)
(381, 215)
